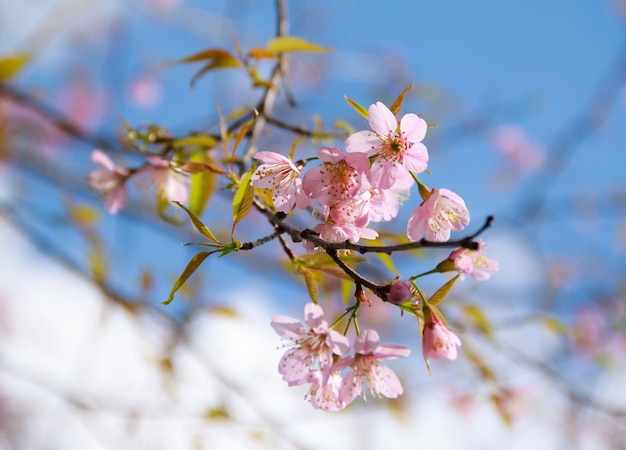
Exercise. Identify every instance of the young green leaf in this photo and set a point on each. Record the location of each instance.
(197, 223)
(203, 183)
(209, 53)
(442, 292)
(282, 44)
(189, 270)
(242, 201)
(202, 140)
(357, 107)
(396, 106)
(218, 63)
(11, 65)
(310, 281)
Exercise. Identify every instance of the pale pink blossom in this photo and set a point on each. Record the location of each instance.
(145, 91)
(325, 396)
(437, 341)
(282, 176)
(513, 143)
(340, 177)
(110, 180)
(396, 146)
(436, 217)
(474, 262)
(337, 232)
(385, 203)
(366, 365)
(173, 185)
(313, 348)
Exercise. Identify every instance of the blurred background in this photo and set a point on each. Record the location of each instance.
(527, 104)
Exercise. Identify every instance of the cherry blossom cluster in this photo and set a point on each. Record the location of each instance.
(111, 180)
(319, 357)
(365, 183)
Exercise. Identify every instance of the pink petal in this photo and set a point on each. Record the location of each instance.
(365, 142)
(384, 381)
(367, 342)
(416, 158)
(414, 127)
(288, 327)
(381, 119)
(391, 351)
(339, 343)
(314, 315)
(295, 366)
(115, 200)
(103, 160)
(330, 154)
(358, 160)
(351, 387)
(271, 158)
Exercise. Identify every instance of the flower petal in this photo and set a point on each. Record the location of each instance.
(381, 119)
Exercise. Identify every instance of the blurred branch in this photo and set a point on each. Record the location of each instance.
(55, 118)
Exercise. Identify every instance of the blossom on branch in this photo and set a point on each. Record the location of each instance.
(366, 365)
(437, 341)
(474, 262)
(281, 176)
(110, 179)
(341, 176)
(442, 212)
(313, 348)
(396, 146)
(325, 396)
(173, 185)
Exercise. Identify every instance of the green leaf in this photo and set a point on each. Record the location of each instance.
(11, 65)
(242, 201)
(283, 44)
(189, 270)
(193, 167)
(209, 53)
(202, 228)
(396, 106)
(357, 107)
(222, 63)
(310, 281)
(202, 140)
(442, 292)
(202, 183)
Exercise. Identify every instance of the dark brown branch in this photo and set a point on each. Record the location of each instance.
(466, 242)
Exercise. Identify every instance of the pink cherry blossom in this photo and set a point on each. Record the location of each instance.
(513, 143)
(340, 177)
(437, 341)
(145, 91)
(385, 203)
(397, 146)
(325, 396)
(280, 175)
(173, 185)
(366, 365)
(474, 262)
(110, 180)
(338, 232)
(314, 348)
(436, 217)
